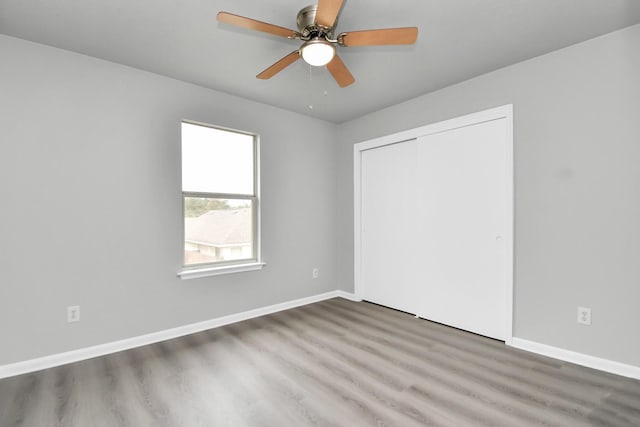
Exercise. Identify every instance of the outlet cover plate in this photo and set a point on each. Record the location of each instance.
(584, 316)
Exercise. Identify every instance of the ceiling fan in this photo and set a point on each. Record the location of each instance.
(316, 25)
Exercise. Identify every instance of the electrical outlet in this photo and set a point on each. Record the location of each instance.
(73, 313)
(315, 273)
(584, 315)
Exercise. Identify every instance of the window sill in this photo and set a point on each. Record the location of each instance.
(197, 273)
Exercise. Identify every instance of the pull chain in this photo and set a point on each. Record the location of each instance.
(310, 87)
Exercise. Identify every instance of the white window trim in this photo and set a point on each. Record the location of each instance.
(197, 273)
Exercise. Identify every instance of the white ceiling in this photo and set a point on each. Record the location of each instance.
(458, 39)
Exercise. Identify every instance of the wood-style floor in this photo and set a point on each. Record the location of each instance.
(332, 363)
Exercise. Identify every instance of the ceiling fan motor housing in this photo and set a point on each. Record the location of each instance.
(306, 22)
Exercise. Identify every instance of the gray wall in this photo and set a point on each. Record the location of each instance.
(577, 186)
(90, 205)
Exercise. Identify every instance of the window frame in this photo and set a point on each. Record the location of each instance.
(193, 271)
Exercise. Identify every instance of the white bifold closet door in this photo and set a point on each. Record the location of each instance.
(433, 217)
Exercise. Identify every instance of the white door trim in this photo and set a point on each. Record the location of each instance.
(503, 112)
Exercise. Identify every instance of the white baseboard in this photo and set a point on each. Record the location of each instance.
(45, 362)
(348, 295)
(578, 358)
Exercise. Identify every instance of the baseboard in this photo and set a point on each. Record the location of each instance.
(348, 295)
(578, 358)
(51, 361)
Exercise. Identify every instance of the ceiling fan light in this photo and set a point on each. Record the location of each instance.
(317, 52)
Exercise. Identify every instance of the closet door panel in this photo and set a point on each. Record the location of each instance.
(461, 198)
(389, 213)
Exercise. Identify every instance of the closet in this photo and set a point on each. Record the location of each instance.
(434, 222)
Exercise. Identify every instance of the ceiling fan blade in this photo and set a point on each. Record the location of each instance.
(252, 24)
(407, 35)
(327, 12)
(340, 72)
(279, 66)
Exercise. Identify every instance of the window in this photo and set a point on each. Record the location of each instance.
(220, 200)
